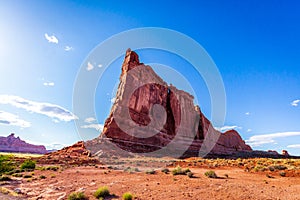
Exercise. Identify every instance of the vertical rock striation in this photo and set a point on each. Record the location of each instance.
(148, 115)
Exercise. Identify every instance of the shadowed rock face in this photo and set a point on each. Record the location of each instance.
(15, 144)
(177, 121)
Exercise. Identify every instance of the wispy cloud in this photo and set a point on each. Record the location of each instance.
(90, 66)
(100, 65)
(51, 38)
(247, 113)
(10, 119)
(296, 146)
(48, 84)
(249, 130)
(68, 48)
(89, 120)
(258, 140)
(295, 102)
(227, 128)
(51, 110)
(98, 127)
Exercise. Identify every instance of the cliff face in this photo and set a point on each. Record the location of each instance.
(136, 124)
(15, 144)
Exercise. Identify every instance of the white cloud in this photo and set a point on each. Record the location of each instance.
(112, 100)
(296, 146)
(100, 65)
(49, 146)
(249, 130)
(51, 110)
(295, 102)
(48, 84)
(51, 39)
(10, 119)
(258, 140)
(227, 128)
(68, 48)
(90, 66)
(247, 113)
(98, 127)
(90, 120)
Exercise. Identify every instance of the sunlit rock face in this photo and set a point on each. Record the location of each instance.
(149, 115)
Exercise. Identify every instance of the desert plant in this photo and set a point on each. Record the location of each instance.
(190, 174)
(152, 171)
(165, 170)
(5, 178)
(42, 177)
(27, 176)
(101, 192)
(211, 174)
(280, 167)
(5, 164)
(179, 171)
(283, 174)
(127, 196)
(77, 196)
(17, 175)
(28, 165)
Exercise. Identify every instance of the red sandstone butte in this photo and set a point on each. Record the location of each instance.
(186, 131)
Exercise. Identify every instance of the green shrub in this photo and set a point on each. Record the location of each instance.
(5, 178)
(5, 164)
(17, 175)
(283, 174)
(27, 176)
(28, 165)
(42, 177)
(127, 196)
(280, 167)
(152, 171)
(77, 196)
(165, 170)
(101, 192)
(179, 171)
(211, 174)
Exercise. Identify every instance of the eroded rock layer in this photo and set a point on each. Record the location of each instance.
(176, 126)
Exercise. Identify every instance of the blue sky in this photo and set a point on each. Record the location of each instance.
(255, 45)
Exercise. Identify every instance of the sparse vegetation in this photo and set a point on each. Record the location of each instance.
(28, 165)
(27, 176)
(165, 170)
(102, 192)
(151, 171)
(42, 177)
(77, 196)
(5, 164)
(179, 171)
(283, 174)
(127, 196)
(211, 174)
(5, 178)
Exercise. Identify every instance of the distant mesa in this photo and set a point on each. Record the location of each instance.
(16, 145)
(180, 113)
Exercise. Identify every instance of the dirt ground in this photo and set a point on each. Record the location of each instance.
(238, 185)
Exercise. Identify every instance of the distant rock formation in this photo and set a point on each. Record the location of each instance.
(15, 144)
(180, 116)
